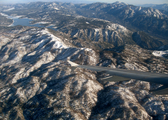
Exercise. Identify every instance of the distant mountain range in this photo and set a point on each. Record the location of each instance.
(156, 6)
(114, 23)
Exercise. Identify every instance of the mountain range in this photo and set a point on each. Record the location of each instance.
(155, 6)
(37, 82)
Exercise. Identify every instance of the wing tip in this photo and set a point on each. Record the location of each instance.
(72, 63)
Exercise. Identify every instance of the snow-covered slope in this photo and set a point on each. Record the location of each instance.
(160, 53)
(114, 34)
(37, 82)
(146, 19)
(157, 6)
(91, 21)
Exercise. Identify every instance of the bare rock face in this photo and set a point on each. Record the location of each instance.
(37, 82)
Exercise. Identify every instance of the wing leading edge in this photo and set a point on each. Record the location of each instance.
(122, 74)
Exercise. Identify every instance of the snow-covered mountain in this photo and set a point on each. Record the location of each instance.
(37, 82)
(152, 21)
(155, 6)
(135, 18)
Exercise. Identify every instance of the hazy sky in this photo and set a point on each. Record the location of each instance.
(135, 2)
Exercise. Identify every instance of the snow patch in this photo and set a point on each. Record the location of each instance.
(56, 8)
(25, 37)
(15, 16)
(31, 54)
(58, 42)
(96, 30)
(140, 8)
(43, 23)
(118, 28)
(11, 17)
(9, 9)
(4, 14)
(159, 53)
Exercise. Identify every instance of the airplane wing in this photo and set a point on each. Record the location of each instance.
(122, 74)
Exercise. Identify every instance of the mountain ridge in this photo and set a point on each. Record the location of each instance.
(36, 78)
(68, 18)
(38, 83)
(157, 6)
